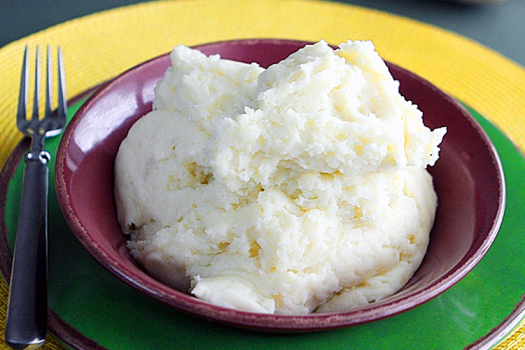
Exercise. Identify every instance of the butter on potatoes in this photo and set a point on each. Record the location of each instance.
(294, 189)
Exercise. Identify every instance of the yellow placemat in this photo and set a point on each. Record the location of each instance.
(102, 45)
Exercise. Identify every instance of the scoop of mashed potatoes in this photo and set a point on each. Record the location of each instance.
(293, 189)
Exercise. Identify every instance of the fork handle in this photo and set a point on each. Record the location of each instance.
(26, 320)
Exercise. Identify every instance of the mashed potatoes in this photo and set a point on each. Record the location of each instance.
(300, 188)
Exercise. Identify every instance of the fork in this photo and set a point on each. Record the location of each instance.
(26, 321)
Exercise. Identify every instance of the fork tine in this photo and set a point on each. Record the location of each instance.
(22, 97)
(62, 96)
(49, 84)
(36, 97)
(52, 123)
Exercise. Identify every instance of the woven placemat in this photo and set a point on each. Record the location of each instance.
(100, 46)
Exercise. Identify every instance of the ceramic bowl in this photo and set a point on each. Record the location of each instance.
(468, 179)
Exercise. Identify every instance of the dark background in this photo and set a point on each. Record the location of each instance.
(497, 25)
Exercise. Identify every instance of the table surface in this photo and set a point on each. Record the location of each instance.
(499, 25)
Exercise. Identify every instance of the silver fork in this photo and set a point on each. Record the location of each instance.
(27, 306)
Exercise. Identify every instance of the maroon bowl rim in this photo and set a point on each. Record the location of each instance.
(274, 322)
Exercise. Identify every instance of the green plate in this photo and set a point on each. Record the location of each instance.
(92, 309)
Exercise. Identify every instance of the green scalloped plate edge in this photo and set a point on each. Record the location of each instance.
(103, 312)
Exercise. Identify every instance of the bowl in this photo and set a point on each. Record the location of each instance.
(468, 179)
